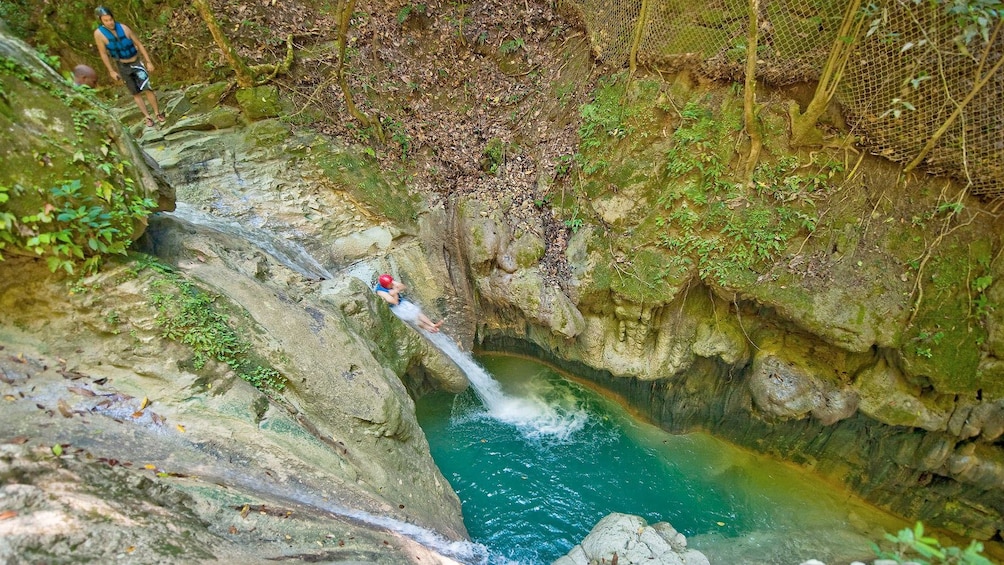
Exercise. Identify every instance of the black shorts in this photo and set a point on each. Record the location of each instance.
(135, 76)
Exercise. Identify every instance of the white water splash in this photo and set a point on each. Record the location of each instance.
(287, 252)
(532, 415)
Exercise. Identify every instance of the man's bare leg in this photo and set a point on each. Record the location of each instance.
(138, 99)
(151, 99)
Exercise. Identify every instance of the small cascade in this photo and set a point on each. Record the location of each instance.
(465, 552)
(289, 253)
(535, 417)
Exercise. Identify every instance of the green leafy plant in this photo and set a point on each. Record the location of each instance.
(912, 546)
(75, 226)
(494, 155)
(712, 218)
(510, 46)
(191, 316)
(927, 339)
(49, 59)
(404, 13)
(575, 222)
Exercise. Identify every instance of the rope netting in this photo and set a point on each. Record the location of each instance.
(921, 83)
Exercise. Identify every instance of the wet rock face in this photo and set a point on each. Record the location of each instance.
(113, 393)
(704, 360)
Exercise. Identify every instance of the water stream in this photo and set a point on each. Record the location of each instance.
(285, 251)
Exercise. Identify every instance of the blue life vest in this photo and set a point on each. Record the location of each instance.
(119, 46)
(381, 288)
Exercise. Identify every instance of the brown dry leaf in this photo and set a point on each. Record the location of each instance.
(81, 391)
(7, 514)
(64, 408)
(18, 440)
(233, 530)
(137, 414)
(9, 397)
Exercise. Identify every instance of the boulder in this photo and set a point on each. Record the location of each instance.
(626, 539)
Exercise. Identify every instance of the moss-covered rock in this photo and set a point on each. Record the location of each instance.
(74, 185)
(259, 102)
(887, 397)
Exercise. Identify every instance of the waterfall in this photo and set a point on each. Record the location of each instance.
(534, 416)
(289, 253)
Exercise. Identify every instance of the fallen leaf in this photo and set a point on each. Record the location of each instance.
(18, 440)
(57, 450)
(245, 510)
(144, 403)
(131, 549)
(9, 398)
(233, 530)
(137, 414)
(81, 391)
(149, 466)
(7, 514)
(64, 408)
(180, 428)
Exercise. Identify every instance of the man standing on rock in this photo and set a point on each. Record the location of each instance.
(117, 41)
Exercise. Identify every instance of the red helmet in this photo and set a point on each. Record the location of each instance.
(385, 281)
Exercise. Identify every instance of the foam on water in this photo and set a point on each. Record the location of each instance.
(535, 416)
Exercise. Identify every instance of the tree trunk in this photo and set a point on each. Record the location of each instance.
(749, 92)
(244, 77)
(639, 28)
(345, 9)
(981, 81)
(803, 125)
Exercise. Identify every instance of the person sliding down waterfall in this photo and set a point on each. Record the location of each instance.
(390, 290)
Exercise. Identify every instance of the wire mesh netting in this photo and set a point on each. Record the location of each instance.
(917, 85)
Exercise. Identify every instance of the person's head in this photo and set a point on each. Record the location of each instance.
(84, 75)
(386, 281)
(105, 16)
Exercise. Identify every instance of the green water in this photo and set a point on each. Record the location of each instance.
(535, 474)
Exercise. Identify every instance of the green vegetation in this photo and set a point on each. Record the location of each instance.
(86, 204)
(404, 13)
(494, 155)
(711, 218)
(912, 546)
(510, 46)
(361, 177)
(190, 316)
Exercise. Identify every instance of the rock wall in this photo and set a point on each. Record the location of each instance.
(100, 399)
(826, 391)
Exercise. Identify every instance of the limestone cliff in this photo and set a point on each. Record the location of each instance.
(837, 314)
(215, 403)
